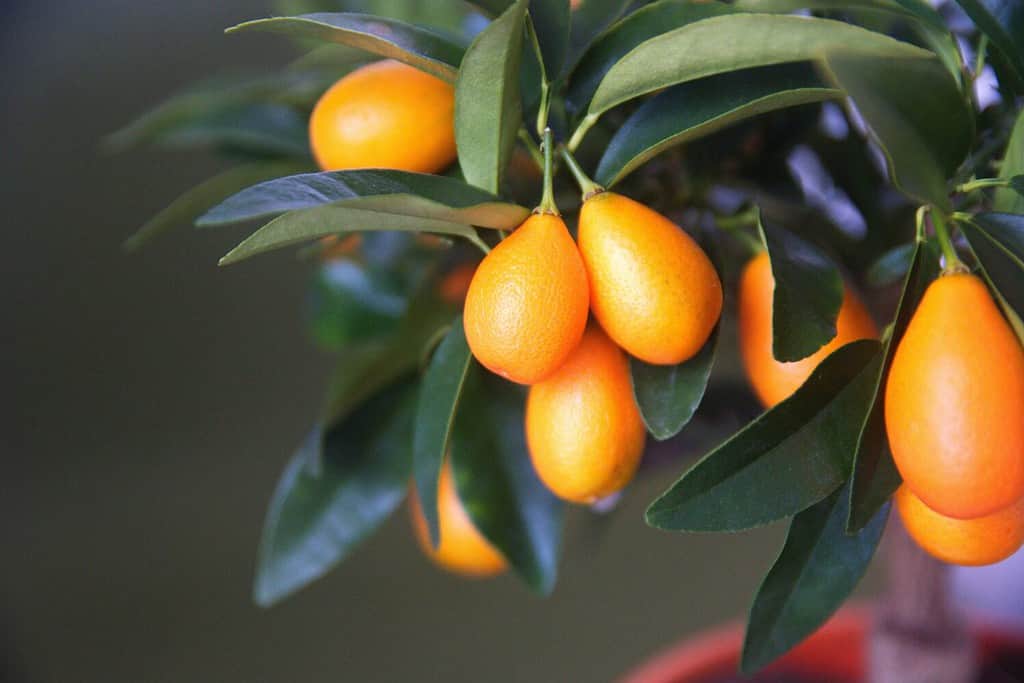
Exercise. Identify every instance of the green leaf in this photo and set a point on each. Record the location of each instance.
(315, 519)
(917, 113)
(491, 7)
(807, 297)
(643, 24)
(384, 190)
(589, 21)
(668, 395)
(260, 129)
(891, 266)
(875, 477)
(818, 568)
(350, 301)
(550, 19)
(414, 45)
(488, 110)
(184, 209)
(1006, 199)
(692, 110)
(786, 460)
(497, 485)
(997, 240)
(1003, 22)
(435, 417)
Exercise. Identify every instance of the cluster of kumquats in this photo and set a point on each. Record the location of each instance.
(561, 316)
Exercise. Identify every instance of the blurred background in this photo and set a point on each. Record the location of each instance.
(153, 400)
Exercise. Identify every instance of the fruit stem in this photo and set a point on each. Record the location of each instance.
(547, 200)
(581, 131)
(478, 243)
(919, 224)
(587, 186)
(531, 147)
(953, 264)
(734, 225)
(981, 183)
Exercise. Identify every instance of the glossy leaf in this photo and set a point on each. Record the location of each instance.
(184, 210)
(589, 21)
(1008, 200)
(643, 24)
(997, 240)
(692, 110)
(818, 568)
(669, 395)
(350, 301)
(497, 484)
(875, 477)
(550, 20)
(916, 112)
(786, 460)
(891, 266)
(1003, 22)
(315, 519)
(807, 297)
(435, 417)
(414, 45)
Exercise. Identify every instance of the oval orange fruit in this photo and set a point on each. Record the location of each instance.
(583, 427)
(972, 542)
(652, 288)
(462, 548)
(385, 115)
(527, 303)
(774, 380)
(954, 402)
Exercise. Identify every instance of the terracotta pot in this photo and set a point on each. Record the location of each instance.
(835, 653)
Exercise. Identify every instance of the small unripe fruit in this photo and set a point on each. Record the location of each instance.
(652, 288)
(583, 427)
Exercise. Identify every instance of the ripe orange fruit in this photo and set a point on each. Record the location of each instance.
(462, 549)
(652, 288)
(455, 284)
(583, 427)
(954, 402)
(385, 115)
(983, 540)
(527, 304)
(773, 380)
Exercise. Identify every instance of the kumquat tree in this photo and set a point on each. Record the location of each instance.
(542, 232)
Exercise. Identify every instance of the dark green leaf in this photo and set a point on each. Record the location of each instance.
(316, 518)
(350, 301)
(807, 297)
(260, 129)
(435, 417)
(891, 266)
(492, 7)
(185, 209)
(783, 462)
(1003, 22)
(550, 20)
(400, 192)
(875, 476)
(488, 110)
(647, 22)
(414, 45)
(497, 485)
(691, 110)
(997, 240)
(818, 568)
(1006, 199)
(590, 20)
(668, 395)
(917, 113)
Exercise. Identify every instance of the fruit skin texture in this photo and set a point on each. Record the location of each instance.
(772, 380)
(385, 115)
(652, 288)
(954, 402)
(527, 304)
(971, 542)
(583, 427)
(462, 549)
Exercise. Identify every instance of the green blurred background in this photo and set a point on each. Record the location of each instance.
(153, 400)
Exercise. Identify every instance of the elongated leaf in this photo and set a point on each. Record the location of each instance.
(589, 21)
(315, 519)
(414, 45)
(259, 129)
(1007, 200)
(551, 20)
(435, 417)
(497, 484)
(916, 112)
(737, 41)
(791, 457)
(891, 266)
(668, 395)
(350, 301)
(1003, 22)
(643, 24)
(691, 110)
(818, 568)
(997, 240)
(875, 477)
(488, 110)
(184, 210)
(807, 297)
